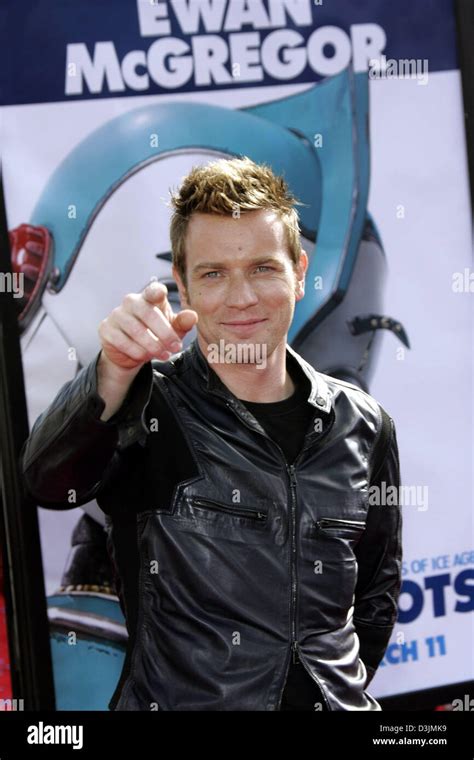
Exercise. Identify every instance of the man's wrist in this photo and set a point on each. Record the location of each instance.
(113, 385)
(109, 372)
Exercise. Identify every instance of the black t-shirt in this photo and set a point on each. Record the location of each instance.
(287, 422)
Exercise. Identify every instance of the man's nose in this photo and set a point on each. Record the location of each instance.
(240, 293)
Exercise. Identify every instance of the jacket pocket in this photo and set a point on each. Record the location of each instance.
(241, 510)
(328, 568)
(337, 527)
(206, 516)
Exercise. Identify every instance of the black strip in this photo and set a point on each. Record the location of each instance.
(28, 630)
(465, 33)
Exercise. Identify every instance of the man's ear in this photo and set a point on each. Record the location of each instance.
(300, 272)
(183, 292)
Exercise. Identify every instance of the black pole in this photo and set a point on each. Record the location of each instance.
(465, 32)
(25, 599)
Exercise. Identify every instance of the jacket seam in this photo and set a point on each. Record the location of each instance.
(373, 450)
(130, 677)
(371, 624)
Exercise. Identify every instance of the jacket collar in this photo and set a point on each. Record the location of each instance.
(319, 395)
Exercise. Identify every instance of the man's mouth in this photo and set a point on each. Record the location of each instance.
(243, 322)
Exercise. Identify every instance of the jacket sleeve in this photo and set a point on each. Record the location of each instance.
(70, 451)
(379, 557)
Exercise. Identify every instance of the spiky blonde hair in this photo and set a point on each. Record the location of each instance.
(223, 186)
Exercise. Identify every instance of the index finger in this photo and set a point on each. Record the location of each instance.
(155, 292)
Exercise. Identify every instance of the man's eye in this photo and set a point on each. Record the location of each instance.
(263, 266)
(208, 273)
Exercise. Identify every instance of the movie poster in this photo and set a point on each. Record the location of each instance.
(359, 105)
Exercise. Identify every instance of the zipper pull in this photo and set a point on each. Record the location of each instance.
(296, 658)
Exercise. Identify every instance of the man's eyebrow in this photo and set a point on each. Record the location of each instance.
(220, 265)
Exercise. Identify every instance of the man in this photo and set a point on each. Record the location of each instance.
(254, 571)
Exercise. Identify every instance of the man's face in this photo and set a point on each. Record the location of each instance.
(240, 278)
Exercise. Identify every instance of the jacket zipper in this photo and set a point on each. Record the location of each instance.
(290, 468)
(338, 524)
(318, 682)
(220, 507)
(294, 637)
(291, 472)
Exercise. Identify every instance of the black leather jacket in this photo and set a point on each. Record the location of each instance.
(242, 560)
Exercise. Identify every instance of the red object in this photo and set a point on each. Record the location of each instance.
(5, 681)
(31, 257)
